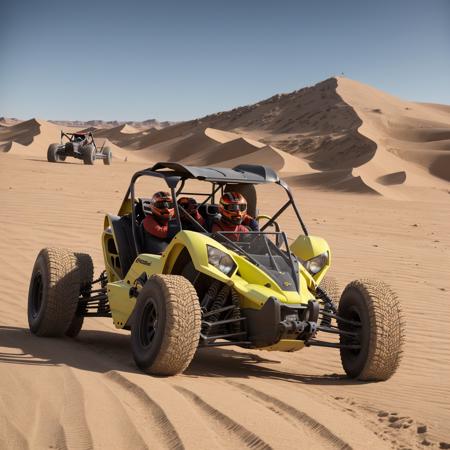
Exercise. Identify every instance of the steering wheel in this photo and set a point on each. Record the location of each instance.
(278, 240)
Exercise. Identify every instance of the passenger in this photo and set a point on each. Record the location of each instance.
(162, 210)
(191, 206)
(233, 210)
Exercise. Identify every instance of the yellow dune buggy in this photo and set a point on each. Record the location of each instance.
(205, 289)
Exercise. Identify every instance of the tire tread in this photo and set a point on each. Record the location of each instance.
(182, 331)
(62, 292)
(387, 329)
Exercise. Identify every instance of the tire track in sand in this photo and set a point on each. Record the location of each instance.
(224, 425)
(169, 437)
(291, 413)
(73, 417)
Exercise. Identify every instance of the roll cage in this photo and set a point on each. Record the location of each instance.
(72, 137)
(175, 176)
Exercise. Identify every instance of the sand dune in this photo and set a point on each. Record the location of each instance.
(241, 150)
(337, 135)
(410, 137)
(32, 138)
(22, 132)
(8, 121)
(220, 148)
(343, 134)
(101, 124)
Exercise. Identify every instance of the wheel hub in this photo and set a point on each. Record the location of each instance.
(149, 324)
(36, 295)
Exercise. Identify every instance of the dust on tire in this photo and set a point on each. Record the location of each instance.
(176, 339)
(53, 292)
(381, 333)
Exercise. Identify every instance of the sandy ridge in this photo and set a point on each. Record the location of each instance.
(336, 135)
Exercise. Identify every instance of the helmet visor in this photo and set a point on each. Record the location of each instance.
(163, 204)
(233, 207)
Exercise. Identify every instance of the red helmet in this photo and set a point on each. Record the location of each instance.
(233, 207)
(189, 204)
(162, 206)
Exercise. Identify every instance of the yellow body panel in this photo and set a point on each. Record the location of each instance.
(253, 285)
(307, 247)
(125, 208)
(120, 302)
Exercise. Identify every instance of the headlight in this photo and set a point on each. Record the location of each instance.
(316, 264)
(220, 260)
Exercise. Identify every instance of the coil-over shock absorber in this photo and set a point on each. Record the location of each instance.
(328, 306)
(221, 316)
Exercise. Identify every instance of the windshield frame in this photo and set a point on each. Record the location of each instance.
(286, 255)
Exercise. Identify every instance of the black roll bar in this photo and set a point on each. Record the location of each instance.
(172, 182)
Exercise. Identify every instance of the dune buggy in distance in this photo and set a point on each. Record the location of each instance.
(205, 289)
(79, 145)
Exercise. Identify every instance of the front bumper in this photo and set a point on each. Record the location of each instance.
(276, 321)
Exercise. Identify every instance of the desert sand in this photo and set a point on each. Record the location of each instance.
(370, 173)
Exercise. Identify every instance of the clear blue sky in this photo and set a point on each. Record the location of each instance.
(133, 60)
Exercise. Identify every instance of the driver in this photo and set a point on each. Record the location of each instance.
(234, 217)
(191, 207)
(161, 211)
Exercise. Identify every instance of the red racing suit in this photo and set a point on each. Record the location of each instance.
(221, 226)
(155, 228)
(198, 217)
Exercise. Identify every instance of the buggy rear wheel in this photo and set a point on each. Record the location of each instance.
(379, 335)
(88, 152)
(107, 156)
(53, 293)
(166, 325)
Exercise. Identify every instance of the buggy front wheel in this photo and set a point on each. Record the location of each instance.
(372, 320)
(166, 325)
(88, 152)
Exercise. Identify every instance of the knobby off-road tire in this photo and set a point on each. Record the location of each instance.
(86, 276)
(53, 292)
(53, 155)
(381, 334)
(107, 156)
(331, 286)
(88, 152)
(166, 325)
